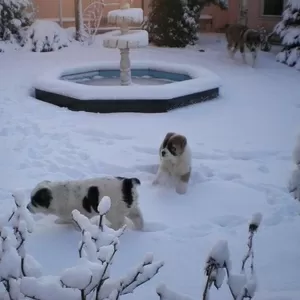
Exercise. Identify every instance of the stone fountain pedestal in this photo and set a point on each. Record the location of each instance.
(126, 39)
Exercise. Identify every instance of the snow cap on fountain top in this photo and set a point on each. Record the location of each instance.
(127, 15)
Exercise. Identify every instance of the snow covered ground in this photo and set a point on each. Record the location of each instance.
(241, 142)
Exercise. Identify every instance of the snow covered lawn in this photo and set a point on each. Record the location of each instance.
(241, 142)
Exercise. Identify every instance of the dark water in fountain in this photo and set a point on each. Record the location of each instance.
(115, 81)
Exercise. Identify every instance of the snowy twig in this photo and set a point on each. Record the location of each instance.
(103, 278)
(240, 287)
(99, 244)
(140, 275)
(217, 260)
(253, 227)
(88, 280)
(93, 13)
(218, 265)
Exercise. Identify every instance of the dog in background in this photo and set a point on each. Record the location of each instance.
(175, 161)
(60, 198)
(239, 36)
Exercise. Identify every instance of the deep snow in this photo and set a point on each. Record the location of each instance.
(242, 145)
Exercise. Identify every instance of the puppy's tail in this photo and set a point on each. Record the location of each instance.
(135, 181)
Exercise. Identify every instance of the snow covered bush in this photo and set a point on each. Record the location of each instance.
(15, 263)
(289, 31)
(15, 15)
(89, 279)
(46, 36)
(218, 265)
(175, 23)
(171, 23)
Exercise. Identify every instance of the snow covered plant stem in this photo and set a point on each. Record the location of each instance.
(253, 226)
(93, 15)
(15, 264)
(97, 249)
(218, 263)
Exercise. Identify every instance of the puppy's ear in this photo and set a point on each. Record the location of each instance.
(42, 198)
(135, 181)
(166, 139)
(182, 141)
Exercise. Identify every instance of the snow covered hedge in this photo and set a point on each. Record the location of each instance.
(218, 265)
(18, 29)
(15, 15)
(289, 30)
(46, 36)
(21, 277)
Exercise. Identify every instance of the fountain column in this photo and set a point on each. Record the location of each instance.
(126, 39)
(125, 66)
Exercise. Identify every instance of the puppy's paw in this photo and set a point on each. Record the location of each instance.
(181, 188)
(155, 181)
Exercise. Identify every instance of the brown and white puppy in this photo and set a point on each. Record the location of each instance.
(60, 198)
(239, 36)
(175, 161)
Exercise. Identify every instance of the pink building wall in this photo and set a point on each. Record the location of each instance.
(50, 9)
(255, 16)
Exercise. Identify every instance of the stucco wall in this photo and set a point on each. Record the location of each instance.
(50, 9)
(219, 17)
(255, 17)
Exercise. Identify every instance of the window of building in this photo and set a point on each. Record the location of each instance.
(273, 7)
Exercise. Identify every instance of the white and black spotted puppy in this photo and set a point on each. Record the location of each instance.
(60, 198)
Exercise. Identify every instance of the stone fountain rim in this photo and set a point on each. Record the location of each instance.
(201, 80)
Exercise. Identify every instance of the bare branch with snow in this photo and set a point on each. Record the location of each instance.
(218, 265)
(92, 15)
(89, 279)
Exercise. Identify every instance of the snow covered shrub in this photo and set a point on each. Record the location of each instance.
(289, 31)
(15, 15)
(294, 182)
(218, 265)
(46, 36)
(89, 279)
(171, 23)
(15, 263)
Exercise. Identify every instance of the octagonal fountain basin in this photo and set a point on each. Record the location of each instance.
(156, 87)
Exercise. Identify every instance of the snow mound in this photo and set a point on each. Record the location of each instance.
(289, 31)
(131, 16)
(132, 39)
(46, 36)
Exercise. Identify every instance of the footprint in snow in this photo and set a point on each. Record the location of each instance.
(229, 221)
(154, 227)
(146, 150)
(230, 176)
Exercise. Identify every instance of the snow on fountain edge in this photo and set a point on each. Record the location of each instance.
(202, 80)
